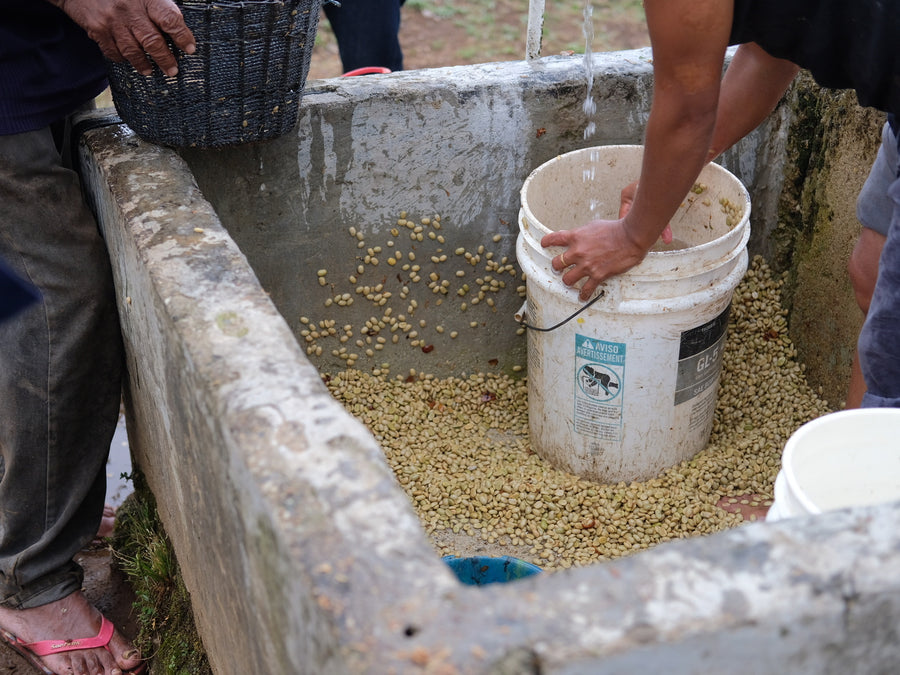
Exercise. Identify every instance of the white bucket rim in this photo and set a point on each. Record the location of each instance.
(736, 261)
(795, 444)
(655, 262)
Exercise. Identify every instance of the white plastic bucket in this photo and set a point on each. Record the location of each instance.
(848, 458)
(628, 387)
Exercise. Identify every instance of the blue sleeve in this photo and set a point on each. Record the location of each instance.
(15, 293)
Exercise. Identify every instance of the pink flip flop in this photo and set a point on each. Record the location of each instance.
(31, 651)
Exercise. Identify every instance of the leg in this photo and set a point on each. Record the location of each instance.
(863, 270)
(366, 32)
(879, 341)
(874, 209)
(60, 386)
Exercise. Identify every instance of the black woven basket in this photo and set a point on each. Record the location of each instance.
(243, 83)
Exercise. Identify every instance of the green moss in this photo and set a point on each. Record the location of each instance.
(830, 145)
(167, 634)
(819, 120)
(797, 211)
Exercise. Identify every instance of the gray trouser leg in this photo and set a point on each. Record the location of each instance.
(879, 340)
(60, 374)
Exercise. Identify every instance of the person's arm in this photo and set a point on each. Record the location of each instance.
(689, 39)
(754, 83)
(130, 29)
(752, 87)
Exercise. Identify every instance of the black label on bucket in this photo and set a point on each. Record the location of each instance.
(700, 358)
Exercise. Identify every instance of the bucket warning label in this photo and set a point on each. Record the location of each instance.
(599, 378)
(700, 358)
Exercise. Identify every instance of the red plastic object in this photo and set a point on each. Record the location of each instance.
(368, 70)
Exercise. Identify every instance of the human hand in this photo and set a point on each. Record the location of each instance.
(598, 250)
(129, 30)
(626, 198)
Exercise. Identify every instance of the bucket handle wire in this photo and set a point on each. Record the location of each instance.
(590, 302)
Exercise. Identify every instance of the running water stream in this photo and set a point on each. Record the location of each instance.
(589, 107)
(596, 209)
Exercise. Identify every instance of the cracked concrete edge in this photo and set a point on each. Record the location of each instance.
(230, 414)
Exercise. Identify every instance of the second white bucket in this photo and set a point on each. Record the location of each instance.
(843, 459)
(628, 387)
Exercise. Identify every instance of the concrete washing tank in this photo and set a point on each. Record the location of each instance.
(300, 551)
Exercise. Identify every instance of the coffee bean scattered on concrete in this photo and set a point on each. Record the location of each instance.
(460, 449)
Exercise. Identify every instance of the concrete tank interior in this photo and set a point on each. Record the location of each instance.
(300, 551)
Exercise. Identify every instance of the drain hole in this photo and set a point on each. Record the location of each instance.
(409, 631)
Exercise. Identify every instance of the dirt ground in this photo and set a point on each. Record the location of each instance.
(439, 33)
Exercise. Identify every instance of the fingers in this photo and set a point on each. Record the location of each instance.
(587, 290)
(566, 260)
(571, 277)
(130, 46)
(558, 238)
(159, 18)
(108, 46)
(137, 33)
(154, 44)
(132, 30)
(592, 254)
(168, 17)
(559, 263)
(666, 235)
(626, 198)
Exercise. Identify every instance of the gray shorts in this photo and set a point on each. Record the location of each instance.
(873, 206)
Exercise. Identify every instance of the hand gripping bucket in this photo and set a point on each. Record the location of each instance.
(627, 388)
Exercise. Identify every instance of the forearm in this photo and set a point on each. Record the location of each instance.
(753, 84)
(689, 39)
(678, 135)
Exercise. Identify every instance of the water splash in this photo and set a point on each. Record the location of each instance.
(589, 106)
(589, 175)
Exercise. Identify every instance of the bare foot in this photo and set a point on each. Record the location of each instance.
(751, 507)
(108, 522)
(71, 618)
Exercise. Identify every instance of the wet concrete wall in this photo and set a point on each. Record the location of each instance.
(453, 142)
(832, 144)
(299, 549)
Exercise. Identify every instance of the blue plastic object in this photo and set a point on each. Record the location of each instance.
(481, 570)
